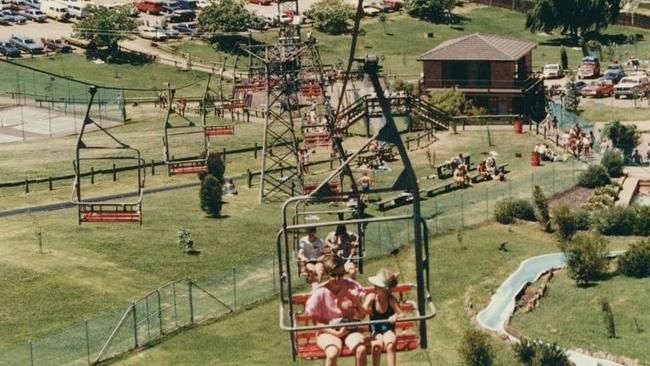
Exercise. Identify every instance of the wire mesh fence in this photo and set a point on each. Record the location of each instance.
(184, 302)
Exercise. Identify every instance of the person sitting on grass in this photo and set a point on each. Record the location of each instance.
(457, 161)
(383, 306)
(491, 163)
(365, 181)
(461, 175)
(636, 157)
(310, 254)
(229, 188)
(337, 302)
(344, 244)
(483, 170)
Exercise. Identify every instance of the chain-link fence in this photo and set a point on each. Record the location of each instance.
(188, 301)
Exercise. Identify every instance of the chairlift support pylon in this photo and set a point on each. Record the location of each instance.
(406, 181)
(89, 210)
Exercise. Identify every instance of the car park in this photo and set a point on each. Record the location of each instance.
(77, 10)
(148, 6)
(552, 71)
(34, 4)
(169, 7)
(13, 16)
(56, 45)
(598, 88)
(26, 44)
(632, 87)
(589, 67)
(55, 10)
(7, 49)
(178, 16)
(34, 15)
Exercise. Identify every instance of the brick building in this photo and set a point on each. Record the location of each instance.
(495, 72)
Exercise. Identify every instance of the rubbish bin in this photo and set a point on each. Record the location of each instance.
(519, 125)
(534, 158)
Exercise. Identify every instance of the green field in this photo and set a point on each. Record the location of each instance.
(402, 39)
(581, 324)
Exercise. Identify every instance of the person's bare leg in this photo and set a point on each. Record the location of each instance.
(331, 345)
(331, 356)
(377, 344)
(320, 270)
(360, 355)
(389, 343)
(354, 341)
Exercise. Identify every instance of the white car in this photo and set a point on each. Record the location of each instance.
(370, 10)
(152, 33)
(551, 71)
(202, 4)
(632, 87)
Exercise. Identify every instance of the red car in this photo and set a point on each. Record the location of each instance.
(148, 6)
(598, 88)
(261, 2)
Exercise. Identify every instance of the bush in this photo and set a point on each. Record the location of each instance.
(541, 208)
(536, 353)
(475, 349)
(210, 195)
(624, 137)
(582, 220)
(608, 319)
(608, 190)
(636, 261)
(615, 220)
(613, 162)
(595, 176)
(564, 221)
(586, 257)
(599, 202)
(642, 224)
(216, 167)
(509, 209)
(331, 16)
(431, 10)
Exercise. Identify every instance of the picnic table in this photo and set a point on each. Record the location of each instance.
(444, 169)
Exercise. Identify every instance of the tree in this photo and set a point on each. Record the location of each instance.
(586, 256)
(571, 98)
(565, 222)
(595, 176)
(624, 137)
(225, 16)
(541, 208)
(475, 349)
(613, 162)
(454, 103)
(564, 59)
(431, 10)
(575, 17)
(210, 195)
(105, 27)
(331, 16)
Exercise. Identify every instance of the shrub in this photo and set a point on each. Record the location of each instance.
(586, 257)
(536, 353)
(624, 137)
(615, 220)
(636, 261)
(582, 220)
(642, 224)
(216, 167)
(599, 202)
(608, 319)
(613, 162)
(210, 195)
(608, 190)
(509, 209)
(475, 349)
(564, 221)
(431, 10)
(541, 208)
(594, 176)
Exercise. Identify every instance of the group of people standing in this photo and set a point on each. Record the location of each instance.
(579, 142)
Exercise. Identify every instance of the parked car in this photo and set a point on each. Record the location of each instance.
(13, 16)
(4, 21)
(178, 16)
(7, 49)
(578, 84)
(152, 33)
(190, 29)
(188, 4)
(589, 67)
(632, 86)
(34, 4)
(614, 75)
(169, 7)
(75, 40)
(259, 23)
(393, 5)
(148, 6)
(77, 10)
(34, 14)
(168, 32)
(598, 89)
(202, 4)
(552, 71)
(55, 10)
(370, 10)
(260, 2)
(56, 45)
(26, 44)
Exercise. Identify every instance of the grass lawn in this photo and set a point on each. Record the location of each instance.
(402, 39)
(581, 324)
(150, 75)
(458, 277)
(615, 114)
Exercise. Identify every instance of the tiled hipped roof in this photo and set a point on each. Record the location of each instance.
(479, 47)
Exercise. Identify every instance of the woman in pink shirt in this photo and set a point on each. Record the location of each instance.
(336, 302)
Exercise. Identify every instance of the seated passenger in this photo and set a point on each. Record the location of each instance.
(336, 302)
(482, 170)
(310, 254)
(636, 157)
(456, 161)
(229, 188)
(491, 163)
(344, 244)
(383, 306)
